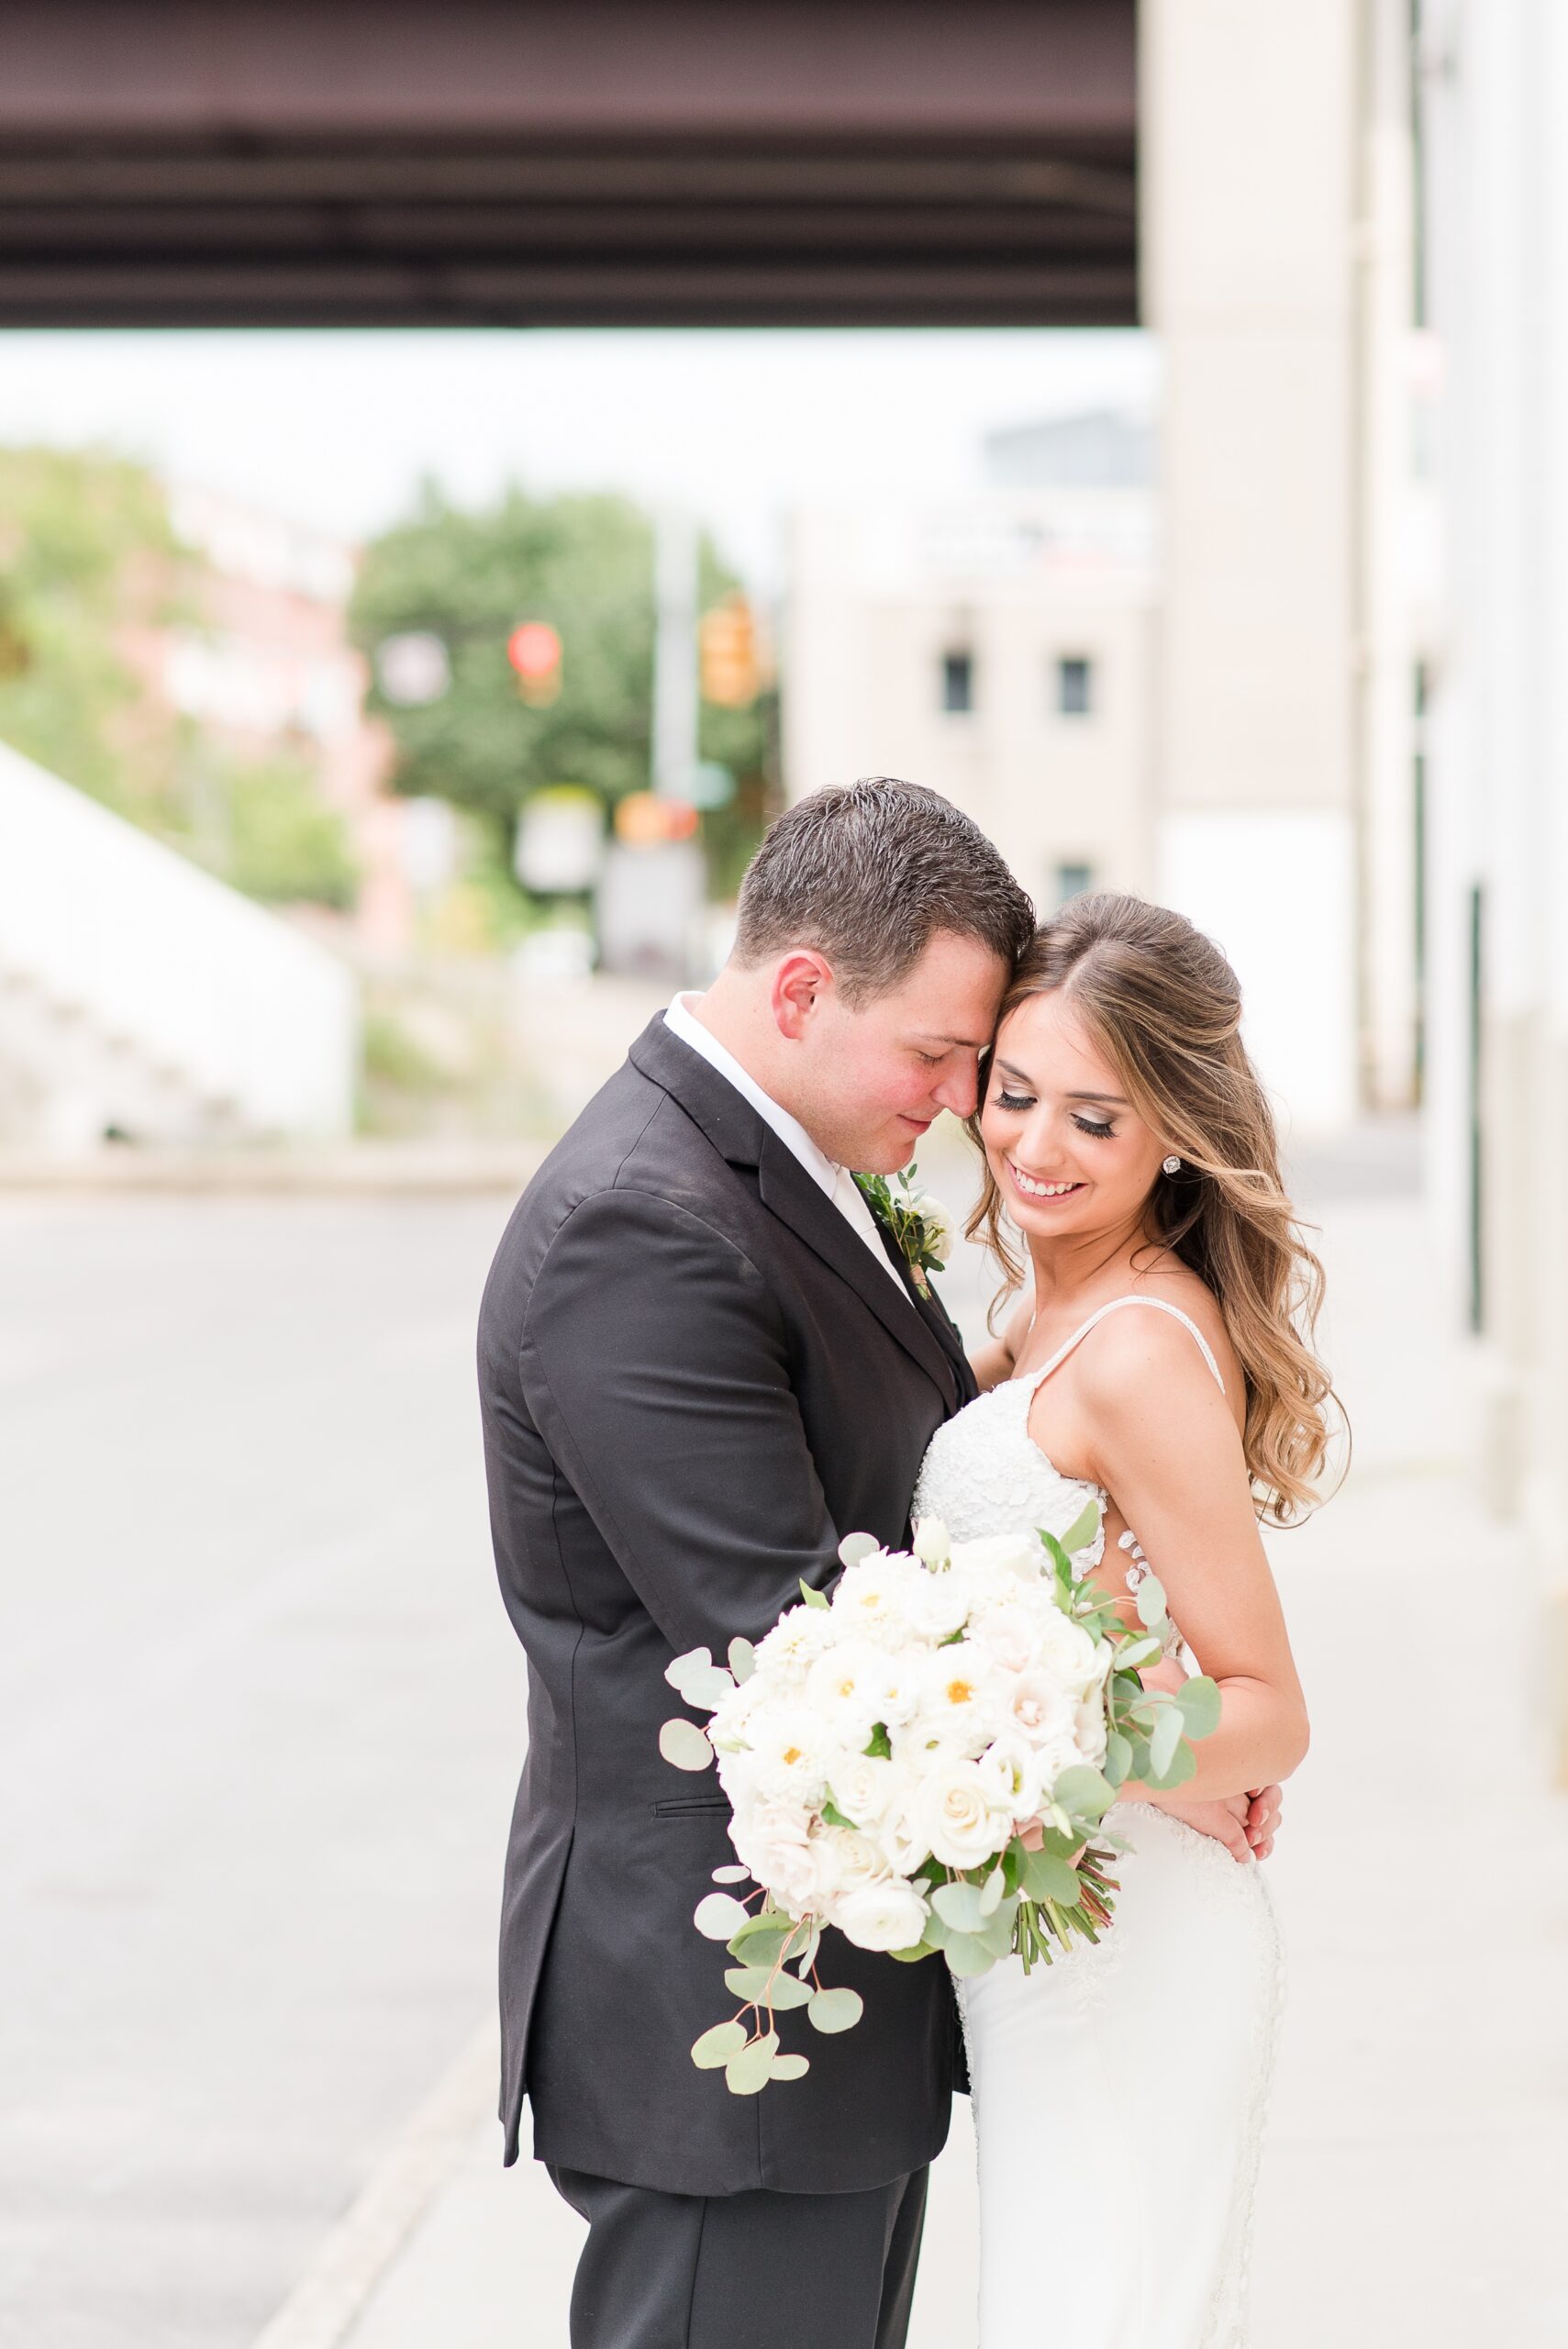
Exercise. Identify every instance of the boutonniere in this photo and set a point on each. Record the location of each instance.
(917, 1220)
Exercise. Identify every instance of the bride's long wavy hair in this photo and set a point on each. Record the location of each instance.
(1162, 1006)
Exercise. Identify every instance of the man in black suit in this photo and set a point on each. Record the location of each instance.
(701, 1365)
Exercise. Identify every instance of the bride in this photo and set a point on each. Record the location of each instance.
(1157, 1366)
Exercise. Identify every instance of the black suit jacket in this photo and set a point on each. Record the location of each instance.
(695, 1379)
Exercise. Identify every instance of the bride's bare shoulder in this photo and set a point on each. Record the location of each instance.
(1132, 1347)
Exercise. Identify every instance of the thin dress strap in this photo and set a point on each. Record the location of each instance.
(1164, 1306)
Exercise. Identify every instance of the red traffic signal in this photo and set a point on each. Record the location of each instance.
(534, 651)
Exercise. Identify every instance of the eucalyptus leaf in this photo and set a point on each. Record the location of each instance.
(834, 2010)
(938, 1932)
(1118, 1757)
(1199, 1701)
(749, 2072)
(733, 1874)
(763, 1947)
(1166, 1739)
(992, 1891)
(790, 2067)
(684, 1746)
(812, 1597)
(1084, 1793)
(967, 1956)
(1056, 1553)
(1150, 1600)
(1084, 1528)
(927, 1948)
(1135, 1653)
(716, 2047)
(1182, 1768)
(788, 1991)
(856, 1546)
(958, 1905)
(806, 1958)
(742, 1660)
(1049, 1879)
(749, 1982)
(996, 1933)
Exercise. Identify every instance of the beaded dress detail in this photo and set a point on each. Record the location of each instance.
(1074, 2066)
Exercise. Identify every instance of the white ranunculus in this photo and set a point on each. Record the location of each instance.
(889, 1915)
(863, 1786)
(791, 1750)
(870, 1596)
(794, 1645)
(961, 1693)
(1009, 1634)
(955, 1810)
(849, 1687)
(932, 1543)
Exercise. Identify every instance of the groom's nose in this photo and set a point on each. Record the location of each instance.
(960, 1090)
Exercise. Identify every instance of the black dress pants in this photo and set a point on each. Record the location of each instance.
(744, 2271)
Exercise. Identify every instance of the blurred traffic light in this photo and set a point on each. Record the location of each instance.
(534, 651)
(644, 820)
(727, 647)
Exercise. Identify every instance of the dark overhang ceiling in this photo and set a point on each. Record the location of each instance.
(613, 162)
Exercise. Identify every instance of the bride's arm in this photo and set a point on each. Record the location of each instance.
(997, 1358)
(1165, 1443)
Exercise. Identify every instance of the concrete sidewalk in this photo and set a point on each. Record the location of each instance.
(1417, 2180)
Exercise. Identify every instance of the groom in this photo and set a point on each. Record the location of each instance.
(701, 1365)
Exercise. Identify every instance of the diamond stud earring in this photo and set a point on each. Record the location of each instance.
(1172, 1165)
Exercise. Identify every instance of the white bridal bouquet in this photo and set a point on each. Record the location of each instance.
(922, 1763)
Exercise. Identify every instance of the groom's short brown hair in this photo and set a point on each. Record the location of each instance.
(868, 874)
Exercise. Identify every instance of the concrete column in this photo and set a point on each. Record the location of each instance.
(1247, 113)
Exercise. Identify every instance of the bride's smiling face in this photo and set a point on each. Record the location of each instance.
(1067, 1150)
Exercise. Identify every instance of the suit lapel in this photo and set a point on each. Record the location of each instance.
(788, 1191)
(932, 1311)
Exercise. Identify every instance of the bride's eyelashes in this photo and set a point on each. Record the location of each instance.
(1005, 1101)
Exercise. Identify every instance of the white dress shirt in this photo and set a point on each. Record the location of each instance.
(837, 1180)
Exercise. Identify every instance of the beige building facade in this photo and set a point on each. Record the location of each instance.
(1000, 650)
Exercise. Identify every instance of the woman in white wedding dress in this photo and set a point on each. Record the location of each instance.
(1159, 1366)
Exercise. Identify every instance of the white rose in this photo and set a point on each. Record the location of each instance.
(955, 1810)
(1009, 1634)
(939, 1604)
(938, 1232)
(1067, 1650)
(1021, 1553)
(774, 1840)
(864, 1787)
(1009, 1772)
(795, 1641)
(846, 1860)
(1090, 1731)
(901, 1837)
(790, 1751)
(1039, 1707)
(890, 1915)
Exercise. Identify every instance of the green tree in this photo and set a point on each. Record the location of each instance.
(583, 565)
(86, 551)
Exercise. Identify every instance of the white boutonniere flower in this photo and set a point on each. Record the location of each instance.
(916, 1219)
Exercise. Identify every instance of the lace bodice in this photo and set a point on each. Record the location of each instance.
(985, 1474)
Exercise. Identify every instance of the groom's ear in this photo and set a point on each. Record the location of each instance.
(800, 983)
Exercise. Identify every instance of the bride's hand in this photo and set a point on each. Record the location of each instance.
(1224, 1821)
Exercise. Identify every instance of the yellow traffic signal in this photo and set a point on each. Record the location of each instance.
(726, 647)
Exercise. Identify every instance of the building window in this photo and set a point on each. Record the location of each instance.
(1075, 685)
(1073, 881)
(958, 682)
